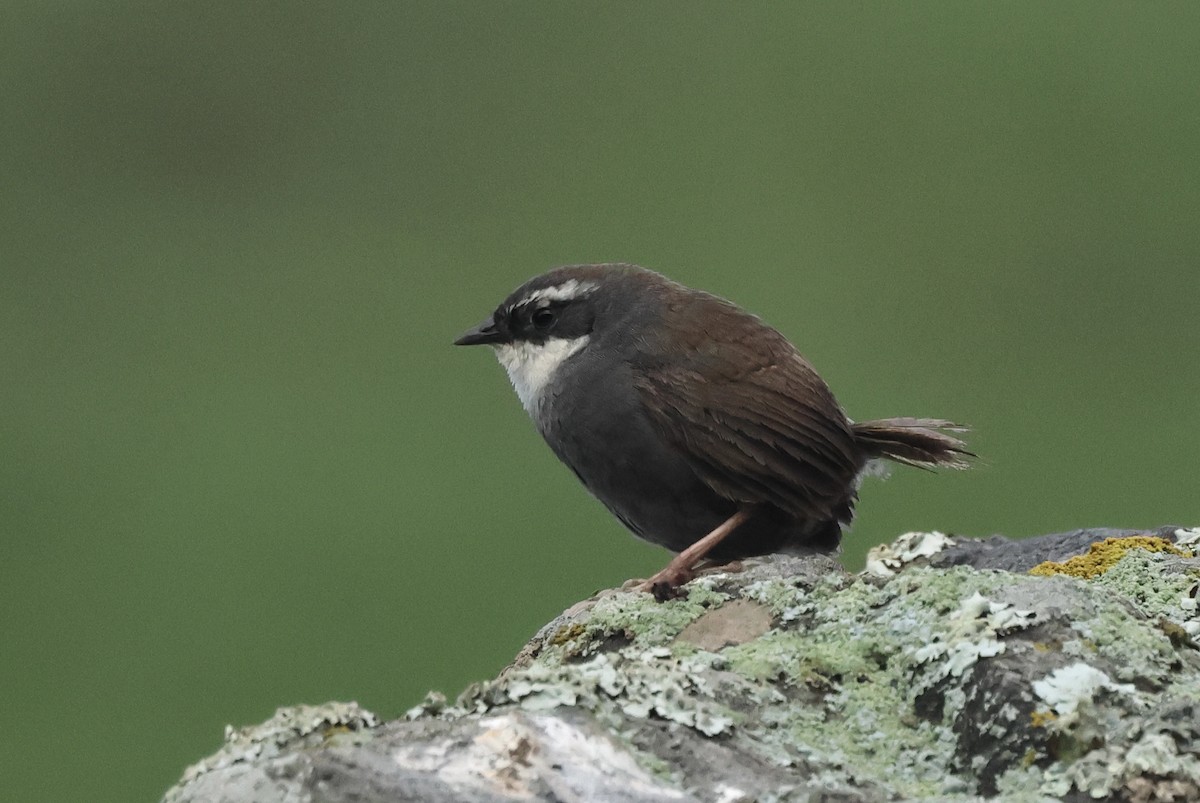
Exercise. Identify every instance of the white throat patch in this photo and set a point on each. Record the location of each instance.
(531, 366)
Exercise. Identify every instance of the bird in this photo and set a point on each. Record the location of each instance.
(699, 426)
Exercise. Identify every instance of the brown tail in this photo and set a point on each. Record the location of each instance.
(914, 441)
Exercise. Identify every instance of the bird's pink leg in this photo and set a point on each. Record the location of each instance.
(681, 567)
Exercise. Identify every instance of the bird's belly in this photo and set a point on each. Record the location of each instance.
(658, 498)
(648, 485)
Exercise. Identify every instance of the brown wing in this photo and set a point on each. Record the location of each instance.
(755, 420)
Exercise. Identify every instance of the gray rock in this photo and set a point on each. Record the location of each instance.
(1022, 554)
(947, 671)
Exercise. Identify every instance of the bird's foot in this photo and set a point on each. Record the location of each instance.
(682, 568)
(668, 584)
(665, 585)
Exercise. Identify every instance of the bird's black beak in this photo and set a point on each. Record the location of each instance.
(482, 334)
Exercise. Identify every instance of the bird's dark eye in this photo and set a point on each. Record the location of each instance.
(542, 319)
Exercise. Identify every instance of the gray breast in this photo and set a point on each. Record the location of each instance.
(593, 419)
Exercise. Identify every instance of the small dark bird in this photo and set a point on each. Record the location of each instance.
(697, 425)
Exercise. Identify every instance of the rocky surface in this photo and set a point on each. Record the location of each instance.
(1057, 668)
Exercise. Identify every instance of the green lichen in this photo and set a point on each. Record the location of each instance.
(796, 658)
(291, 728)
(1155, 670)
(866, 680)
(1145, 579)
(633, 618)
(1141, 654)
(846, 665)
(835, 675)
(929, 683)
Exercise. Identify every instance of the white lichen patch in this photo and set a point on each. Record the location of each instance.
(636, 683)
(282, 732)
(511, 754)
(1159, 754)
(731, 794)
(972, 634)
(1189, 606)
(1064, 690)
(886, 560)
(1188, 538)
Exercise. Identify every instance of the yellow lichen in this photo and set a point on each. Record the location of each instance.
(1104, 555)
(568, 633)
(1042, 719)
(335, 730)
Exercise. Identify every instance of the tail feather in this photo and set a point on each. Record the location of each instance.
(914, 441)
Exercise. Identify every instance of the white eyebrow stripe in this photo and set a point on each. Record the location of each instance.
(567, 291)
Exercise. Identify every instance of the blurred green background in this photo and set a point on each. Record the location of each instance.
(242, 465)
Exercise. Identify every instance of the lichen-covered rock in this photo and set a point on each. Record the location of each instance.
(922, 678)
